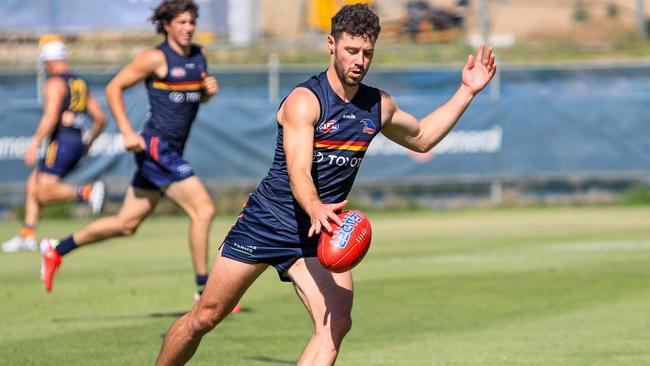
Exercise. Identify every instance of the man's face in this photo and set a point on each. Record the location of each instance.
(181, 29)
(352, 57)
(53, 66)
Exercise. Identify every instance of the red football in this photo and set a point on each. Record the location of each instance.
(346, 246)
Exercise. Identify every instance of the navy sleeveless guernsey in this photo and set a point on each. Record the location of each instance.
(341, 138)
(174, 100)
(273, 226)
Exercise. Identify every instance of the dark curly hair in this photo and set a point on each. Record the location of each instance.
(355, 20)
(170, 9)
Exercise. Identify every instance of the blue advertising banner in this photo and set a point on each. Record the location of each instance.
(579, 124)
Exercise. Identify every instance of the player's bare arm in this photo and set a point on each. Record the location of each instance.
(99, 118)
(54, 92)
(298, 115)
(404, 129)
(149, 62)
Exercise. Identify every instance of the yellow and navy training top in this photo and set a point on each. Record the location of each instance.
(74, 102)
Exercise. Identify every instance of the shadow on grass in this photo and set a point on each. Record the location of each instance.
(171, 314)
(269, 360)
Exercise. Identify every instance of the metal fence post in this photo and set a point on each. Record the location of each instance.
(484, 20)
(495, 84)
(642, 28)
(40, 80)
(496, 192)
(274, 78)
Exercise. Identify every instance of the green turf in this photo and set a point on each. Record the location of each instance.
(542, 286)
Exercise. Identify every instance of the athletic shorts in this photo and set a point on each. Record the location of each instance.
(159, 165)
(259, 236)
(62, 155)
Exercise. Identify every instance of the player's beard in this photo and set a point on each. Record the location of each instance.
(343, 75)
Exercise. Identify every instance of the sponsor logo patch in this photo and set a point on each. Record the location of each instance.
(176, 97)
(329, 126)
(184, 169)
(178, 72)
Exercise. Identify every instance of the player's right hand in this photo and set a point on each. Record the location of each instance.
(134, 142)
(321, 214)
(31, 154)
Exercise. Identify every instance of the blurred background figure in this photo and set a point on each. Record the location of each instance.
(177, 81)
(68, 105)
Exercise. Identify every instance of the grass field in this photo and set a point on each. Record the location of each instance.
(541, 286)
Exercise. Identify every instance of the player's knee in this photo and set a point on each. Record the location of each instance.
(44, 188)
(336, 328)
(341, 326)
(128, 228)
(42, 195)
(205, 211)
(204, 321)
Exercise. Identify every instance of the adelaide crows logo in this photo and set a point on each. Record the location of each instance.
(329, 126)
(368, 126)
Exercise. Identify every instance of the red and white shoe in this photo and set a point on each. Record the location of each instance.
(236, 309)
(18, 243)
(97, 194)
(50, 262)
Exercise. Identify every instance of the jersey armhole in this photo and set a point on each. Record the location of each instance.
(153, 77)
(381, 123)
(320, 104)
(166, 63)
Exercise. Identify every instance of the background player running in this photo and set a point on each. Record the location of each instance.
(175, 74)
(68, 105)
(329, 116)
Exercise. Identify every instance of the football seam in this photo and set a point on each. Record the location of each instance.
(355, 244)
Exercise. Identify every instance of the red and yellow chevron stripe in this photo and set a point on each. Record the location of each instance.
(341, 145)
(178, 85)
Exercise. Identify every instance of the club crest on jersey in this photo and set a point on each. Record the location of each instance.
(329, 126)
(368, 126)
(178, 72)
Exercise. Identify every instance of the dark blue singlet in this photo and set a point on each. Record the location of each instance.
(66, 147)
(273, 227)
(173, 104)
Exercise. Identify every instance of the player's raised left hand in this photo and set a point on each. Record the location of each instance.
(479, 70)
